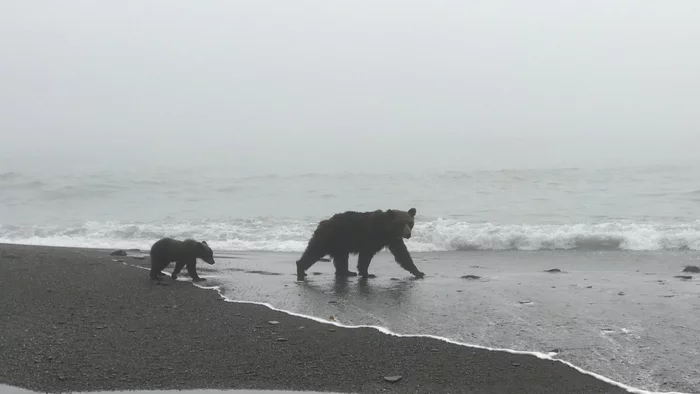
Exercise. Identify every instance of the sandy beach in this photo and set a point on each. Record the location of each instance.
(75, 320)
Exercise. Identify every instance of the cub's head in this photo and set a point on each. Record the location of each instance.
(401, 222)
(205, 253)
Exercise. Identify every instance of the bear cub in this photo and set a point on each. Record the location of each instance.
(183, 253)
(364, 234)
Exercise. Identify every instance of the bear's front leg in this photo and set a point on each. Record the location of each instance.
(403, 257)
(192, 270)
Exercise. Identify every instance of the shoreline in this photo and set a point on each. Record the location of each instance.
(366, 354)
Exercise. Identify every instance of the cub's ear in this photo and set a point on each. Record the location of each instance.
(390, 213)
(412, 212)
(204, 243)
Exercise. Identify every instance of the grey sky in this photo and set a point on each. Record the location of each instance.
(298, 86)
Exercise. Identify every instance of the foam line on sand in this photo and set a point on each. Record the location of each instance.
(384, 330)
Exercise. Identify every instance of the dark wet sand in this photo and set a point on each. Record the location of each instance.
(75, 320)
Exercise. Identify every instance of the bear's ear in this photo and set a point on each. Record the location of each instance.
(204, 243)
(390, 213)
(412, 212)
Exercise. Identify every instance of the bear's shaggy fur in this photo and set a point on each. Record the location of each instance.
(364, 234)
(184, 253)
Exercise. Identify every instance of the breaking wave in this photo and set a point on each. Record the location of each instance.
(438, 235)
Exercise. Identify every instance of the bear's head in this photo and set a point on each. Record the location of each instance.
(401, 222)
(205, 253)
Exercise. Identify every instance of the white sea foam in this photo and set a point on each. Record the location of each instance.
(437, 235)
(384, 330)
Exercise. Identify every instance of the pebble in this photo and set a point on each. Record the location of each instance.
(553, 270)
(393, 379)
(471, 277)
(281, 339)
(118, 252)
(692, 268)
(274, 322)
(516, 364)
(683, 277)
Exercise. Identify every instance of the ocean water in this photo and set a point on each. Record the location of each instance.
(620, 237)
(635, 209)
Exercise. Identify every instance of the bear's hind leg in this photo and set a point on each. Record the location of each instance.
(192, 270)
(178, 267)
(363, 260)
(341, 261)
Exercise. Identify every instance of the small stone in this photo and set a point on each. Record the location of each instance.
(332, 302)
(331, 329)
(692, 268)
(393, 278)
(459, 291)
(274, 322)
(553, 270)
(393, 379)
(525, 302)
(621, 293)
(118, 260)
(516, 364)
(555, 351)
(433, 350)
(589, 287)
(471, 277)
(684, 277)
(281, 339)
(118, 252)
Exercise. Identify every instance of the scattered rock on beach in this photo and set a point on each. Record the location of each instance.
(684, 277)
(118, 252)
(274, 322)
(621, 293)
(553, 270)
(118, 260)
(393, 379)
(471, 277)
(281, 339)
(692, 268)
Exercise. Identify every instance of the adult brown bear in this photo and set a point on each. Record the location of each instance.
(364, 234)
